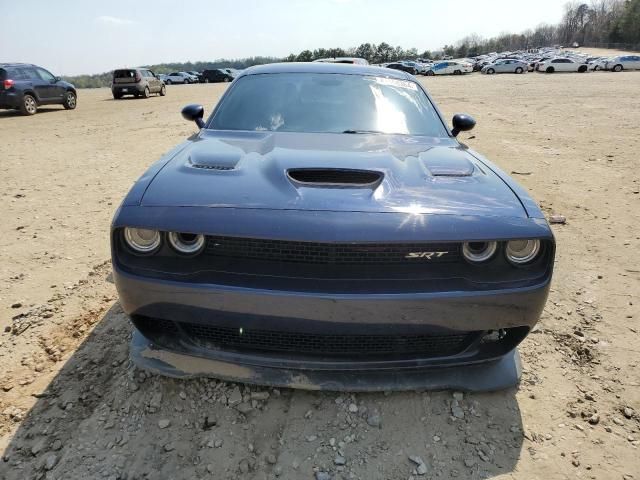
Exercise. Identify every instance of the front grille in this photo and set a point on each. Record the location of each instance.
(332, 253)
(330, 344)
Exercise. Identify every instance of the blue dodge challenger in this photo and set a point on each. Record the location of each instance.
(325, 229)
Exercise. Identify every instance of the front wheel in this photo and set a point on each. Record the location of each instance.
(206, 80)
(430, 73)
(457, 72)
(617, 68)
(550, 70)
(490, 71)
(70, 101)
(117, 96)
(163, 91)
(146, 92)
(29, 105)
(519, 70)
(582, 68)
(169, 82)
(226, 80)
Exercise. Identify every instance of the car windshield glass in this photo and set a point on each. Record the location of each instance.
(327, 103)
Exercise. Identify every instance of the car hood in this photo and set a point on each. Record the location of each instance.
(420, 175)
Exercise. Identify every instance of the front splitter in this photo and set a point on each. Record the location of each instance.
(479, 377)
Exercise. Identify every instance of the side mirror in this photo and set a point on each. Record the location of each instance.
(57, 79)
(462, 123)
(194, 113)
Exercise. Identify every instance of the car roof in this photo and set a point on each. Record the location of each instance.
(321, 67)
(16, 64)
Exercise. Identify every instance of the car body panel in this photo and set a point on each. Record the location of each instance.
(259, 162)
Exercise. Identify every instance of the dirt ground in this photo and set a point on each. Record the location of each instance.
(72, 406)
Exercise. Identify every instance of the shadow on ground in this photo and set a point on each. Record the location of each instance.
(5, 114)
(102, 418)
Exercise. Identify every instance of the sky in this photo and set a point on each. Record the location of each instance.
(71, 37)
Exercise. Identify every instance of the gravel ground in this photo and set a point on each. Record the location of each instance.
(72, 406)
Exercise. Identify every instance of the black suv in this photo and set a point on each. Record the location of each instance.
(216, 75)
(25, 87)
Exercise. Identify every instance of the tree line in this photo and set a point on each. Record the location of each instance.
(599, 23)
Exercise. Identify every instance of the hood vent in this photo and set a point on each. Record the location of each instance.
(335, 177)
(213, 167)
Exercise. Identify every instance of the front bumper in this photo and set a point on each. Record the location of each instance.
(476, 366)
(491, 376)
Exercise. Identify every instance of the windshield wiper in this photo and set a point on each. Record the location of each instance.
(361, 131)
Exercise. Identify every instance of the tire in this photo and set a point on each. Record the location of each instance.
(595, 69)
(226, 80)
(206, 80)
(146, 93)
(29, 106)
(457, 72)
(70, 101)
(550, 70)
(490, 71)
(117, 96)
(430, 73)
(617, 68)
(519, 70)
(168, 82)
(163, 91)
(582, 68)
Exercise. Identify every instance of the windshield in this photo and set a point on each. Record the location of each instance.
(327, 103)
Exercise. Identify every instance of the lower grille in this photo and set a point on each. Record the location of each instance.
(332, 253)
(319, 344)
(165, 332)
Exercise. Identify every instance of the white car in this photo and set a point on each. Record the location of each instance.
(623, 62)
(562, 65)
(180, 77)
(598, 63)
(449, 68)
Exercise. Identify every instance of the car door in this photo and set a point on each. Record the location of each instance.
(634, 62)
(55, 91)
(559, 65)
(43, 89)
(153, 81)
(502, 66)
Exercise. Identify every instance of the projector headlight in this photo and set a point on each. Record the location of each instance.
(477, 252)
(142, 240)
(520, 252)
(186, 243)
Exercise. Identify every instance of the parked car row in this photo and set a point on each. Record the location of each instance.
(546, 60)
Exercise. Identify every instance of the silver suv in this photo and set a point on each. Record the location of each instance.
(138, 82)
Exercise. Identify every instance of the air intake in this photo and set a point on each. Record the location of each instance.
(335, 177)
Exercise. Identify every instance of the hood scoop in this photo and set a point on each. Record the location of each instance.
(335, 177)
(216, 161)
(447, 162)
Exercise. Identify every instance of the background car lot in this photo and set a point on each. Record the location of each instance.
(99, 417)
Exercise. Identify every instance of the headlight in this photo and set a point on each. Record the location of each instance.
(142, 240)
(479, 251)
(187, 243)
(522, 251)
